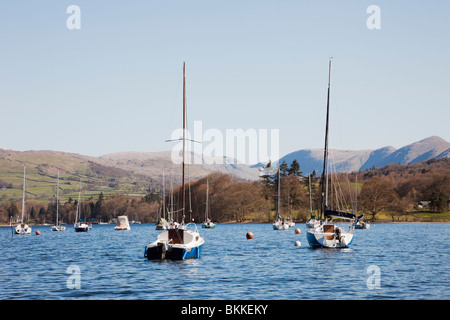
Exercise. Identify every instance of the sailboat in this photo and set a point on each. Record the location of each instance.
(208, 224)
(57, 226)
(359, 224)
(328, 234)
(178, 242)
(312, 222)
(23, 228)
(79, 225)
(280, 223)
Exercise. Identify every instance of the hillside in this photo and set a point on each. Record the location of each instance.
(42, 168)
(135, 173)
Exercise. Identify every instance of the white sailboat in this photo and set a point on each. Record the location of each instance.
(178, 242)
(280, 223)
(359, 224)
(312, 222)
(327, 234)
(57, 226)
(23, 228)
(79, 225)
(208, 224)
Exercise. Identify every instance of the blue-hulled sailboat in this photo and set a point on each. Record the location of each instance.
(325, 233)
(180, 241)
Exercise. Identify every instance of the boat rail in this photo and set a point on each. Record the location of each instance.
(192, 223)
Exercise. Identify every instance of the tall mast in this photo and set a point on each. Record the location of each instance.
(164, 197)
(23, 194)
(207, 204)
(325, 153)
(184, 133)
(310, 198)
(57, 200)
(78, 205)
(278, 197)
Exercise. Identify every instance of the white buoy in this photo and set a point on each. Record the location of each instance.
(297, 243)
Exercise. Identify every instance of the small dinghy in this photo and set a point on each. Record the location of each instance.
(122, 223)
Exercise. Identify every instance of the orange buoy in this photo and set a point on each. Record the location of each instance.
(38, 232)
(297, 231)
(249, 235)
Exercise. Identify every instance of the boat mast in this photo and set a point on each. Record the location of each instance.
(23, 194)
(207, 204)
(78, 215)
(57, 200)
(184, 134)
(325, 153)
(310, 199)
(356, 194)
(278, 197)
(164, 197)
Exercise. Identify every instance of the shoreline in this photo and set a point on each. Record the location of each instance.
(234, 222)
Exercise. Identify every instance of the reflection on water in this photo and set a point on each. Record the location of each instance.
(112, 265)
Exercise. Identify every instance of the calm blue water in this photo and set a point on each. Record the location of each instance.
(412, 260)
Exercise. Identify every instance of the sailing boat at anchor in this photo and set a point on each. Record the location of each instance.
(79, 225)
(23, 228)
(208, 224)
(57, 226)
(178, 242)
(280, 223)
(324, 232)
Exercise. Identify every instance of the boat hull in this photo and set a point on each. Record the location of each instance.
(161, 252)
(312, 241)
(122, 228)
(22, 229)
(317, 238)
(176, 244)
(280, 226)
(58, 228)
(361, 226)
(82, 228)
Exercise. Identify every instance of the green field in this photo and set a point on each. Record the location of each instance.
(41, 177)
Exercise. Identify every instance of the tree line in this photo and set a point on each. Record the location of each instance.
(394, 190)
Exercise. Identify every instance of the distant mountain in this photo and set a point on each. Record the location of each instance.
(348, 161)
(153, 163)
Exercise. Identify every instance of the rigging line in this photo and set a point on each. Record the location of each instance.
(350, 191)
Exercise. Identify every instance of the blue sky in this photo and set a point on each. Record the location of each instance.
(115, 84)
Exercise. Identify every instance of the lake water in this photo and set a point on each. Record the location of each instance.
(387, 261)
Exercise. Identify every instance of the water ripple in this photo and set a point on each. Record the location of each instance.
(112, 265)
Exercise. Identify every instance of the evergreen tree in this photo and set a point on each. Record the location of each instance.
(284, 170)
(13, 211)
(33, 213)
(42, 213)
(295, 169)
(438, 201)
